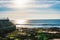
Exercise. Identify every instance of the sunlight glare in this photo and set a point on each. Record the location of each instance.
(20, 21)
(21, 3)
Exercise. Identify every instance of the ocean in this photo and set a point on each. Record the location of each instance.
(44, 23)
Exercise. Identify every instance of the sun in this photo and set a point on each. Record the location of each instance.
(20, 3)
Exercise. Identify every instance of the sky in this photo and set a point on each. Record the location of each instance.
(30, 9)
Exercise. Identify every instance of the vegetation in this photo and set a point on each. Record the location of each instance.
(35, 34)
(8, 32)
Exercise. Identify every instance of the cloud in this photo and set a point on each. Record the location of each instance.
(39, 5)
(47, 0)
(32, 4)
(56, 6)
(5, 9)
(5, 5)
(34, 10)
(24, 15)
